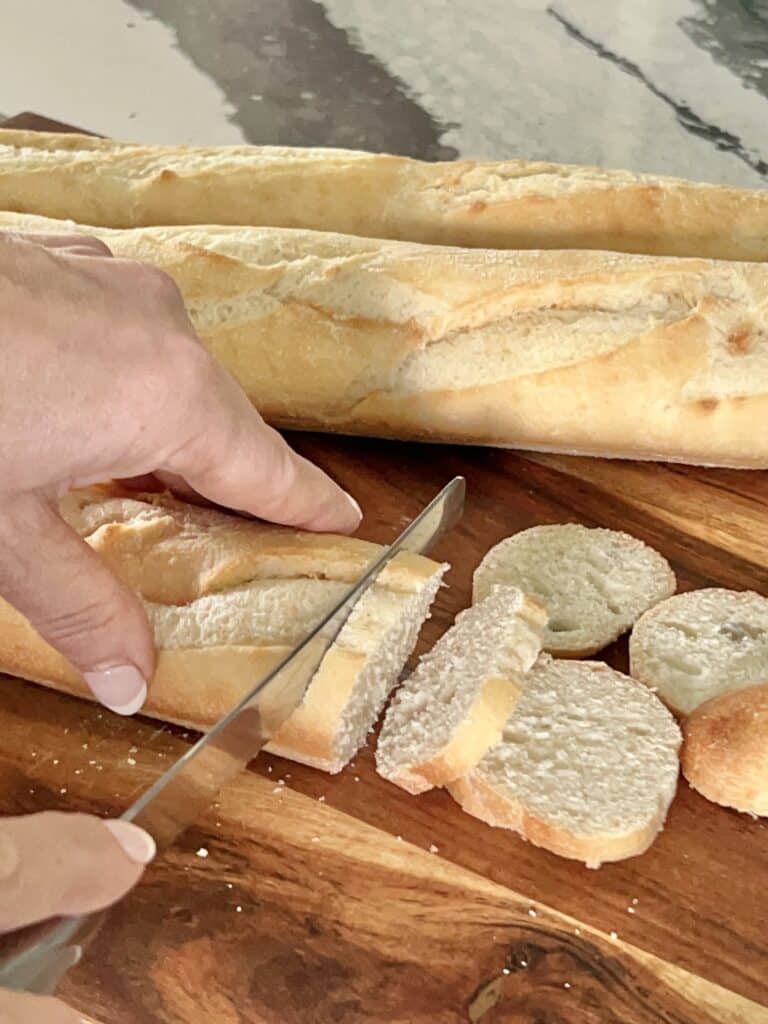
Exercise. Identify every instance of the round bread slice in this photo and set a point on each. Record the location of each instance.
(587, 766)
(453, 707)
(700, 644)
(595, 583)
(725, 749)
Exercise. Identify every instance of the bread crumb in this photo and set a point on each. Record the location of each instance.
(230, 885)
(630, 910)
(523, 963)
(321, 799)
(34, 753)
(277, 790)
(63, 790)
(635, 901)
(577, 931)
(31, 792)
(131, 761)
(55, 760)
(269, 769)
(532, 912)
(239, 909)
(614, 935)
(85, 746)
(287, 775)
(202, 852)
(280, 782)
(566, 984)
(433, 848)
(78, 771)
(399, 839)
(357, 778)
(315, 839)
(133, 750)
(506, 970)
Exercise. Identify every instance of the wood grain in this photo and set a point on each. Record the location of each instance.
(361, 926)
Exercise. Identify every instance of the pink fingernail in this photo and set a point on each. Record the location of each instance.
(136, 843)
(122, 688)
(354, 505)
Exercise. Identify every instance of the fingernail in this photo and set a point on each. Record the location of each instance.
(121, 688)
(137, 844)
(354, 505)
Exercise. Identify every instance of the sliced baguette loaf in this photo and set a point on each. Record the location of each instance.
(725, 749)
(587, 766)
(511, 204)
(228, 598)
(585, 352)
(699, 644)
(454, 705)
(594, 583)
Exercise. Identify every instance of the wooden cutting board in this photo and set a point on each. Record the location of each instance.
(319, 900)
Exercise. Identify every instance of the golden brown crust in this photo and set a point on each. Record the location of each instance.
(581, 352)
(510, 204)
(725, 749)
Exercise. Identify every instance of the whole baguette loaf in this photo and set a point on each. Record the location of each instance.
(512, 204)
(228, 599)
(586, 352)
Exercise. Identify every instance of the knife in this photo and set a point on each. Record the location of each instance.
(35, 959)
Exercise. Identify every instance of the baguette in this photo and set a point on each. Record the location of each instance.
(228, 599)
(697, 645)
(587, 767)
(453, 707)
(584, 352)
(595, 583)
(512, 204)
(725, 749)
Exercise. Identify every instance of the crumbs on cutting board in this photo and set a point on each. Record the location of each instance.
(202, 853)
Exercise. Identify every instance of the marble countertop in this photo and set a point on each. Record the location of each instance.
(667, 86)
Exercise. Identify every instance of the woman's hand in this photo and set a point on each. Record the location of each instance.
(102, 376)
(53, 864)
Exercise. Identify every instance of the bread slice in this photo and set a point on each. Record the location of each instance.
(700, 644)
(228, 598)
(587, 766)
(453, 707)
(725, 749)
(595, 583)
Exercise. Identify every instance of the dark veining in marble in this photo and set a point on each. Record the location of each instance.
(296, 80)
(735, 34)
(688, 118)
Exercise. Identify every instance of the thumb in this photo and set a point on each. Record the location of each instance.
(53, 578)
(21, 1008)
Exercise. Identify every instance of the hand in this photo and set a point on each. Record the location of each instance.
(102, 376)
(53, 864)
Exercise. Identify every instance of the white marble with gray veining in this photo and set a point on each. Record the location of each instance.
(669, 86)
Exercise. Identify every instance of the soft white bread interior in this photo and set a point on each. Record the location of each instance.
(725, 749)
(699, 644)
(587, 766)
(595, 583)
(587, 352)
(228, 598)
(454, 705)
(511, 204)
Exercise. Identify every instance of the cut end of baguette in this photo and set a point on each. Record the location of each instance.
(697, 645)
(725, 750)
(453, 707)
(595, 583)
(586, 768)
(228, 598)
